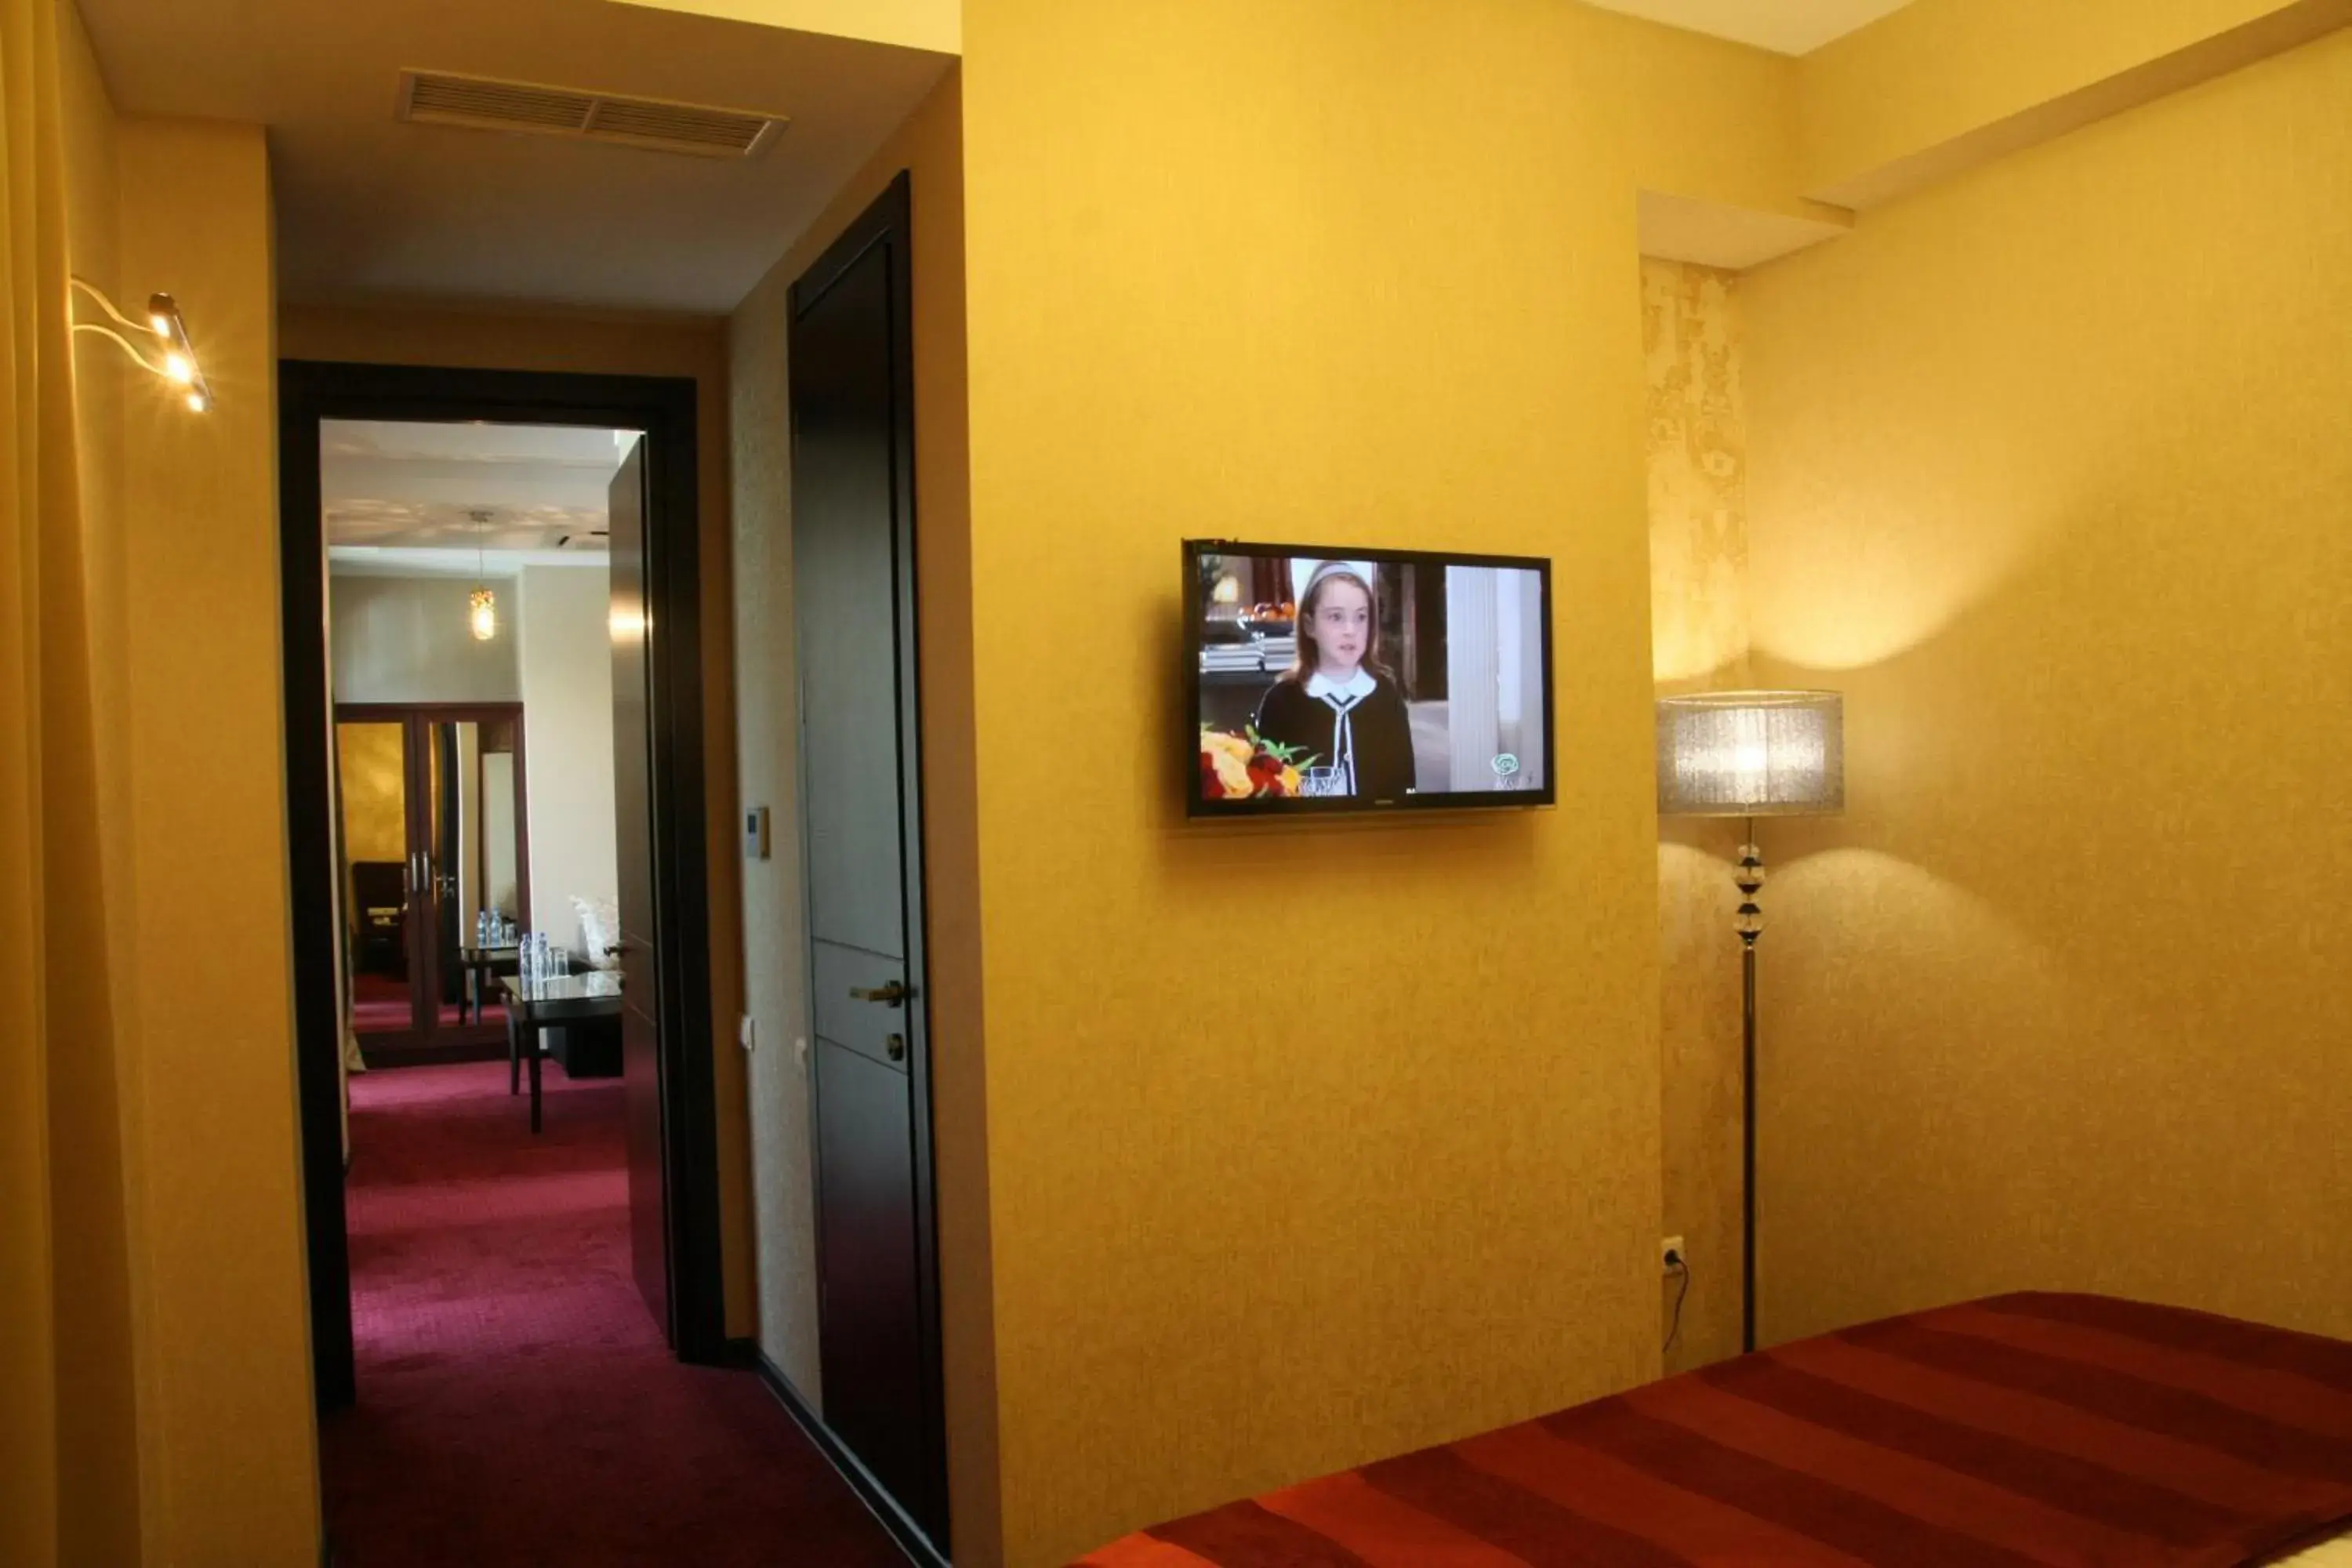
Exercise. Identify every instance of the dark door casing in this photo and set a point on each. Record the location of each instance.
(861, 803)
(665, 409)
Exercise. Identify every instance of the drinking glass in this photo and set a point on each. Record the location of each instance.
(1322, 781)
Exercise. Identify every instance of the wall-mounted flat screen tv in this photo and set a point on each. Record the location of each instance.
(1329, 679)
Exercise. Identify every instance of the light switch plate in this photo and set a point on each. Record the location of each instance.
(755, 833)
(746, 1034)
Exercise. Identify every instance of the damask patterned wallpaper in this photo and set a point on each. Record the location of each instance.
(1697, 447)
(1698, 450)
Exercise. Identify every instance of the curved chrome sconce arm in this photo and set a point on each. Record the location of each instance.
(164, 323)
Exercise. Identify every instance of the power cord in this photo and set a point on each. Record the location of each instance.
(1680, 1265)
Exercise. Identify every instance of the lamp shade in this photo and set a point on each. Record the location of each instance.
(1751, 754)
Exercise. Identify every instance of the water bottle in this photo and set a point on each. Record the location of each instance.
(526, 962)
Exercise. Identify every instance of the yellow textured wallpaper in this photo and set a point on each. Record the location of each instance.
(2049, 469)
(220, 1273)
(1308, 1144)
(1697, 453)
(1934, 71)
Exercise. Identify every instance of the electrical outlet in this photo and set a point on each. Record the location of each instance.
(1671, 1256)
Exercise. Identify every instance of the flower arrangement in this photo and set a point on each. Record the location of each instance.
(1247, 765)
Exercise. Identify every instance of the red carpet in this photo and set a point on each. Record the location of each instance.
(516, 1402)
(379, 1003)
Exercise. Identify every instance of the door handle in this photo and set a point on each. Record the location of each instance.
(894, 995)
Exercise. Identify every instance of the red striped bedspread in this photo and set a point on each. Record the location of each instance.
(2027, 1429)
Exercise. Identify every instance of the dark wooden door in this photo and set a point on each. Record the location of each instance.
(632, 806)
(854, 603)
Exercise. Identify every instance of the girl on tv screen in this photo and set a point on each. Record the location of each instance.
(1338, 704)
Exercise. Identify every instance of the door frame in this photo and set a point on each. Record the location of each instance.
(663, 407)
(473, 1042)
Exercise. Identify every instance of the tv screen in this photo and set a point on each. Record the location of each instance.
(1329, 678)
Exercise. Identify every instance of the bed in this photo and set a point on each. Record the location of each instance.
(2022, 1429)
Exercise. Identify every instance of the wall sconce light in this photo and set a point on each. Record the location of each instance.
(177, 361)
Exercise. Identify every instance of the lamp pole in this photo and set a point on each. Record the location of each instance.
(1749, 923)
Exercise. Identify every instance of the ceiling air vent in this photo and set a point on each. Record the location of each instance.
(440, 98)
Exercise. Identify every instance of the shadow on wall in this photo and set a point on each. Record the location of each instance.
(2057, 979)
(2076, 762)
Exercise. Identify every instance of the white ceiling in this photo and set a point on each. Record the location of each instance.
(427, 498)
(370, 208)
(1784, 26)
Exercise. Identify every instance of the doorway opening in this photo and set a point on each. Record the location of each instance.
(488, 740)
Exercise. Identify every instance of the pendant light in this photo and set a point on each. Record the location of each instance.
(482, 607)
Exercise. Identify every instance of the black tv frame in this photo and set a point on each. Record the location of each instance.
(1200, 810)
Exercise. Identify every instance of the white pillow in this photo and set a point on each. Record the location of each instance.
(600, 928)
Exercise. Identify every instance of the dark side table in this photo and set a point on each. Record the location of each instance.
(483, 964)
(558, 1002)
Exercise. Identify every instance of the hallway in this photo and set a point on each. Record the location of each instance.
(517, 1403)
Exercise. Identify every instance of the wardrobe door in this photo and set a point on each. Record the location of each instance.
(384, 933)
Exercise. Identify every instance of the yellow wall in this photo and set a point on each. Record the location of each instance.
(1697, 116)
(1698, 460)
(2048, 469)
(223, 1298)
(1268, 1205)
(620, 346)
(928, 147)
(1942, 85)
(177, 1256)
(101, 1441)
(72, 1434)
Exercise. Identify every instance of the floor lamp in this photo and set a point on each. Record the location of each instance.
(1750, 754)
